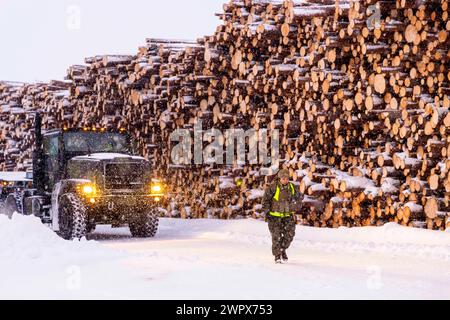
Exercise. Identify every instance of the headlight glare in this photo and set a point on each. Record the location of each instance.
(156, 188)
(88, 190)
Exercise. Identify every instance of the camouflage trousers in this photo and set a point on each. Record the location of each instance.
(283, 233)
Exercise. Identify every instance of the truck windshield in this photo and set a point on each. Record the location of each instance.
(96, 142)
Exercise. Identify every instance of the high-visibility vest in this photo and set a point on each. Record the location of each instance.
(276, 197)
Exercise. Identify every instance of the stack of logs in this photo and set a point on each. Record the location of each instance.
(359, 91)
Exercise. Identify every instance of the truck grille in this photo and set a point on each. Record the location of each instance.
(124, 176)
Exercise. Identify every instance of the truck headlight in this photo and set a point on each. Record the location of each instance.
(156, 188)
(88, 190)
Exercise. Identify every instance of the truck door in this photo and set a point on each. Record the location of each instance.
(52, 159)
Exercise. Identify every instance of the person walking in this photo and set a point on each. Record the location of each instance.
(280, 203)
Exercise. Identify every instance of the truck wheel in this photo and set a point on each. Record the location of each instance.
(2, 206)
(72, 217)
(10, 206)
(145, 225)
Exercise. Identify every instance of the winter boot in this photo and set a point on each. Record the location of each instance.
(278, 259)
(284, 256)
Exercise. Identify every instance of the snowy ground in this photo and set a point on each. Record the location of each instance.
(210, 259)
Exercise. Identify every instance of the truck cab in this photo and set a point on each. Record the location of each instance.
(60, 146)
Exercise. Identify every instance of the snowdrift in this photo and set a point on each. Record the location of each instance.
(216, 259)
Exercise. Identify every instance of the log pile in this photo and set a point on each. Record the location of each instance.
(358, 89)
(18, 103)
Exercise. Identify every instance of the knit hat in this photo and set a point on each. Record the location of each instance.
(283, 174)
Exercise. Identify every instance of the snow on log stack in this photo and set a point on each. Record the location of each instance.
(18, 102)
(358, 89)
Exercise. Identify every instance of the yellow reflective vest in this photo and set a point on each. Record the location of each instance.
(276, 197)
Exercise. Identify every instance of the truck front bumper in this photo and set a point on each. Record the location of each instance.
(125, 199)
(118, 210)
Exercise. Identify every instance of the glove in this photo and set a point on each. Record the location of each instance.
(297, 205)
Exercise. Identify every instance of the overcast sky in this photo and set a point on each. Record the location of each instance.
(40, 39)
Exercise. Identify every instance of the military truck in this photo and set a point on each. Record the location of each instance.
(88, 176)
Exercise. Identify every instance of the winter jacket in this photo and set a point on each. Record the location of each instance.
(289, 199)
